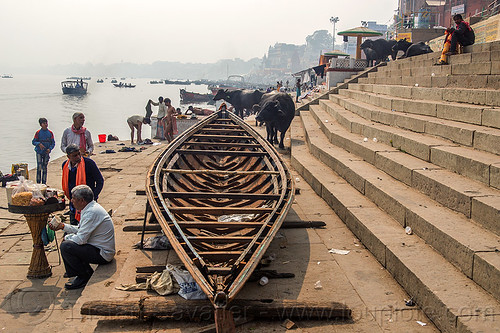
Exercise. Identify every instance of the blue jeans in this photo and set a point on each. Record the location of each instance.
(42, 160)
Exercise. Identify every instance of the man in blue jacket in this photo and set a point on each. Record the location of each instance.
(44, 143)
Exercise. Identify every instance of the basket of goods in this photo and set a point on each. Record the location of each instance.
(26, 197)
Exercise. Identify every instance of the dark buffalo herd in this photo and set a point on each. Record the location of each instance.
(379, 50)
(382, 49)
(241, 100)
(410, 49)
(274, 109)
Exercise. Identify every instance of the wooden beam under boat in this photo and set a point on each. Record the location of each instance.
(187, 310)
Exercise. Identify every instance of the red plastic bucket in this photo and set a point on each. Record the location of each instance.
(102, 138)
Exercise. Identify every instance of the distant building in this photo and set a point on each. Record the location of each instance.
(437, 13)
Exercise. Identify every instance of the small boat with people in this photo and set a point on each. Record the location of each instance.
(113, 80)
(7, 76)
(100, 81)
(220, 193)
(124, 85)
(74, 87)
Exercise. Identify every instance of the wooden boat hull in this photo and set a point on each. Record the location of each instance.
(192, 97)
(220, 192)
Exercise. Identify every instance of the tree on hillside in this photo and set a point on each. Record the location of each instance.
(315, 43)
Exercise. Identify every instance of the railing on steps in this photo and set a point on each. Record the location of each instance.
(344, 85)
(349, 63)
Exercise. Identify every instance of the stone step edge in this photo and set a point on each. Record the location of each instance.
(472, 200)
(479, 167)
(449, 234)
(442, 312)
(432, 94)
(472, 81)
(464, 133)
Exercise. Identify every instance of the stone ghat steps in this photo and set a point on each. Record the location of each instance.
(477, 165)
(450, 299)
(458, 122)
(489, 97)
(439, 81)
(458, 193)
(454, 235)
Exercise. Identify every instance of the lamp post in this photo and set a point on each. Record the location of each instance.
(334, 20)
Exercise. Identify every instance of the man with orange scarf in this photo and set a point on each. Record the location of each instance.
(78, 135)
(78, 170)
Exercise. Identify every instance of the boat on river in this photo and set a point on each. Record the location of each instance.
(124, 85)
(193, 97)
(220, 192)
(74, 87)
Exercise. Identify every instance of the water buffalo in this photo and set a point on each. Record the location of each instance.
(277, 111)
(410, 49)
(371, 55)
(240, 99)
(382, 47)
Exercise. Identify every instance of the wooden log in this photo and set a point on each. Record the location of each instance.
(150, 269)
(224, 321)
(203, 310)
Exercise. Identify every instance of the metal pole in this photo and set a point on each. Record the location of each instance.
(334, 20)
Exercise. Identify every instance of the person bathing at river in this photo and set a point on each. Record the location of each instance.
(160, 128)
(135, 122)
(170, 121)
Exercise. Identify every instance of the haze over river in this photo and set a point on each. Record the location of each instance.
(25, 98)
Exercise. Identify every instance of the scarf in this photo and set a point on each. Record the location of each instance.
(81, 179)
(466, 24)
(83, 141)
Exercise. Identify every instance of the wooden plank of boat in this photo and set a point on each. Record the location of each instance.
(220, 197)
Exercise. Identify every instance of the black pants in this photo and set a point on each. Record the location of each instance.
(77, 259)
(460, 39)
(72, 219)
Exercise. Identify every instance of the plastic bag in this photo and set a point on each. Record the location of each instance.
(236, 218)
(48, 235)
(22, 186)
(189, 289)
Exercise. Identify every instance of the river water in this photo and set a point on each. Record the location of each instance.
(25, 98)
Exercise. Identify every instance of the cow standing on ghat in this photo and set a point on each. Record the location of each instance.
(382, 47)
(277, 111)
(240, 99)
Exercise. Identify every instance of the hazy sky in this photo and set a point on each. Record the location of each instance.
(50, 32)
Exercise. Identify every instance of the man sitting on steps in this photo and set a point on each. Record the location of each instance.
(463, 34)
(91, 242)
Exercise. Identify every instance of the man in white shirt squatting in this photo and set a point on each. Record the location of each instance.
(91, 242)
